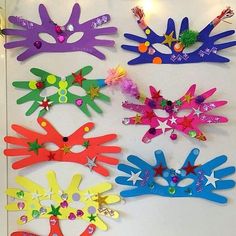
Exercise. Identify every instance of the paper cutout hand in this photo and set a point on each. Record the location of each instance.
(205, 179)
(33, 146)
(33, 201)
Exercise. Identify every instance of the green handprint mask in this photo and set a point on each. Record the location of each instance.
(63, 94)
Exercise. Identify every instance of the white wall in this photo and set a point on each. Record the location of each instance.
(147, 215)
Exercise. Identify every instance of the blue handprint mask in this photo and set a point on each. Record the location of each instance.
(182, 48)
(145, 178)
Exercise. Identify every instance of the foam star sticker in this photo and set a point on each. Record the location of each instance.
(101, 200)
(135, 177)
(186, 123)
(137, 119)
(91, 163)
(169, 39)
(163, 126)
(190, 169)
(86, 144)
(34, 146)
(45, 103)
(188, 98)
(159, 170)
(92, 218)
(211, 180)
(55, 211)
(66, 149)
(94, 92)
(78, 78)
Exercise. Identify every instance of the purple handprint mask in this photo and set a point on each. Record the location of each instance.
(183, 49)
(60, 34)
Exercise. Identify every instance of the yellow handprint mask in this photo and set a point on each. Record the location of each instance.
(33, 203)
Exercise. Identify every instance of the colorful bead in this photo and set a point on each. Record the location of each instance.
(192, 133)
(152, 131)
(35, 214)
(79, 213)
(20, 194)
(199, 99)
(21, 205)
(126, 121)
(38, 44)
(43, 210)
(173, 136)
(64, 204)
(175, 179)
(72, 216)
(40, 85)
(79, 102)
(172, 190)
(24, 219)
(64, 196)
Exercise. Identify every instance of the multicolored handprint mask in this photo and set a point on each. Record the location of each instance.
(145, 178)
(34, 200)
(52, 146)
(44, 100)
(61, 35)
(187, 124)
(206, 52)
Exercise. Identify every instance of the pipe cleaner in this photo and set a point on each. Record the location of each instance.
(206, 52)
(35, 44)
(35, 147)
(34, 200)
(187, 124)
(205, 180)
(44, 100)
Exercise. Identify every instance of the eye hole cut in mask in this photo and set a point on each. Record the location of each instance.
(205, 181)
(51, 90)
(190, 47)
(95, 201)
(34, 147)
(62, 38)
(194, 107)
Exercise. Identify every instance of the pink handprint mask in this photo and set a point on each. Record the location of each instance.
(187, 124)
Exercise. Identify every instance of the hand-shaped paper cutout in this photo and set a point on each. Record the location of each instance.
(188, 124)
(34, 147)
(34, 44)
(63, 94)
(34, 201)
(205, 180)
(207, 52)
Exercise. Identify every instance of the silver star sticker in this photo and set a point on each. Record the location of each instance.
(197, 111)
(91, 163)
(135, 177)
(211, 180)
(35, 195)
(163, 126)
(48, 194)
(175, 109)
(88, 195)
(173, 120)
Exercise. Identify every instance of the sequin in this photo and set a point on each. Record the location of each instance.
(35, 214)
(21, 205)
(126, 121)
(70, 27)
(172, 190)
(76, 197)
(192, 133)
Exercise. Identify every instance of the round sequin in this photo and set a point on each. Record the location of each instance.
(147, 43)
(32, 84)
(24, 219)
(147, 31)
(172, 190)
(76, 197)
(192, 133)
(21, 205)
(63, 99)
(43, 124)
(79, 102)
(63, 84)
(70, 27)
(157, 60)
(51, 79)
(126, 121)
(91, 210)
(86, 129)
(35, 214)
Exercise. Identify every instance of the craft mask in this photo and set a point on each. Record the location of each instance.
(34, 201)
(60, 34)
(63, 95)
(205, 180)
(188, 124)
(207, 52)
(35, 147)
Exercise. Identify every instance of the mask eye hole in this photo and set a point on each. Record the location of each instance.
(77, 148)
(162, 48)
(183, 112)
(162, 113)
(161, 181)
(48, 91)
(50, 147)
(77, 90)
(47, 203)
(75, 37)
(47, 38)
(185, 182)
(193, 47)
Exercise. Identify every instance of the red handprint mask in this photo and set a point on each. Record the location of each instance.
(35, 147)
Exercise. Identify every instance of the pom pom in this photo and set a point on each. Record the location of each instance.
(188, 38)
(118, 77)
(115, 75)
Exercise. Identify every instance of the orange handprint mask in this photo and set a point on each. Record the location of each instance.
(35, 147)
